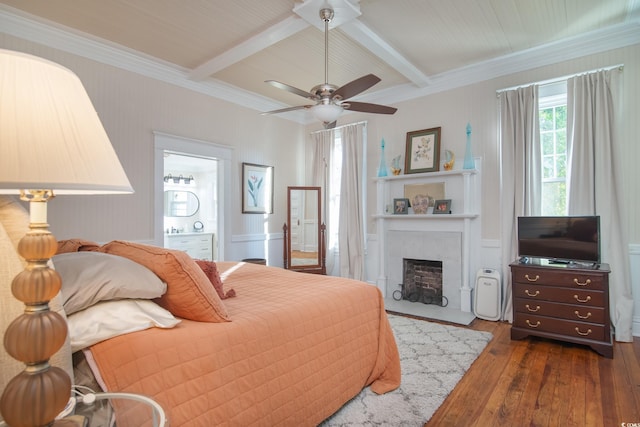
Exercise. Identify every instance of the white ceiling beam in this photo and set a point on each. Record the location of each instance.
(255, 44)
(344, 11)
(367, 38)
(127, 59)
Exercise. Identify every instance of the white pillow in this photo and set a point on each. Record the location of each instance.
(109, 319)
(91, 277)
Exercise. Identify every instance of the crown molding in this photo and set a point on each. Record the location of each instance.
(118, 56)
(64, 39)
(613, 37)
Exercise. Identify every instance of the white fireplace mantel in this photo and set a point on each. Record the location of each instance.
(463, 188)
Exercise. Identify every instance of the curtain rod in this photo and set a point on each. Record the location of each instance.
(560, 79)
(364, 122)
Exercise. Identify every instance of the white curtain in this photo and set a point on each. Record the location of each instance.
(593, 103)
(520, 171)
(351, 235)
(320, 176)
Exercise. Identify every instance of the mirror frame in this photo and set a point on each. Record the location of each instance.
(167, 203)
(320, 266)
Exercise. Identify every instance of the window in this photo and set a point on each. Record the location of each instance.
(553, 144)
(334, 187)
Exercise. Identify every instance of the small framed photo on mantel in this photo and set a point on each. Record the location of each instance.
(423, 151)
(400, 206)
(442, 206)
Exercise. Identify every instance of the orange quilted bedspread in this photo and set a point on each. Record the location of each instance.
(298, 347)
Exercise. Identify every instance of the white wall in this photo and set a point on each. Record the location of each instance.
(477, 104)
(132, 107)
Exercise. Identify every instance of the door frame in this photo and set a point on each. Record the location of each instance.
(195, 148)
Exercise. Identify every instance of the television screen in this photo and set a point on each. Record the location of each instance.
(560, 238)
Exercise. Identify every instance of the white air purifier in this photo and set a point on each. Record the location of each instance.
(487, 302)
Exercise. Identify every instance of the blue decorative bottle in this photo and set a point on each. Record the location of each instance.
(468, 155)
(382, 169)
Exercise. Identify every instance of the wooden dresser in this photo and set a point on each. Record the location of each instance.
(562, 302)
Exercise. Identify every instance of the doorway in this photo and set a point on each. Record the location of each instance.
(191, 204)
(206, 173)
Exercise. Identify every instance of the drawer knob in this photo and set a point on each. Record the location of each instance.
(531, 279)
(536, 325)
(533, 310)
(584, 334)
(579, 283)
(587, 299)
(535, 294)
(581, 316)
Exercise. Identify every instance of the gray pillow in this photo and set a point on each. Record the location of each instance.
(91, 277)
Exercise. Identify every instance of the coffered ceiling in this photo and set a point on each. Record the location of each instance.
(229, 48)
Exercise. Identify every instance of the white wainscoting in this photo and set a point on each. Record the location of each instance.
(268, 246)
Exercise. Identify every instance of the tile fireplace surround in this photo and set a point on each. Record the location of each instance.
(429, 246)
(433, 246)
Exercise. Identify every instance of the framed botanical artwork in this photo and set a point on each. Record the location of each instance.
(423, 151)
(400, 206)
(442, 206)
(257, 188)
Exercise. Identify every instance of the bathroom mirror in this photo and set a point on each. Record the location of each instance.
(304, 232)
(180, 203)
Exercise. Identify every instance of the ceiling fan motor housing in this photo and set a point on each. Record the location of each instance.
(324, 92)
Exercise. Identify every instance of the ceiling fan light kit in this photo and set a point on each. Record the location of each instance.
(326, 113)
(330, 99)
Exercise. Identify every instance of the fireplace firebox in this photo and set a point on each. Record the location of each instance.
(422, 282)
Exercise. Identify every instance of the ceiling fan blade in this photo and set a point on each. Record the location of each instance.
(284, 110)
(365, 107)
(291, 89)
(356, 86)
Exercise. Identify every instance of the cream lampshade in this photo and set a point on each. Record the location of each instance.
(52, 142)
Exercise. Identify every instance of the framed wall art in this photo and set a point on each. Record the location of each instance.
(257, 188)
(423, 151)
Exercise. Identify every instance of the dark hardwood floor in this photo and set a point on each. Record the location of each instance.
(538, 382)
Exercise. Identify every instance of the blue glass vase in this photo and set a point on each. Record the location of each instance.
(382, 169)
(468, 155)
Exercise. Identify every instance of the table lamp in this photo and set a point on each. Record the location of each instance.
(51, 142)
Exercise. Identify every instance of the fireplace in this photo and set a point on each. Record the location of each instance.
(422, 282)
(441, 247)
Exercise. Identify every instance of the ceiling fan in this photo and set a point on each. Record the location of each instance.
(331, 100)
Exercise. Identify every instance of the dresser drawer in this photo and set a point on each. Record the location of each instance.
(581, 330)
(558, 277)
(188, 242)
(558, 294)
(563, 311)
(197, 246)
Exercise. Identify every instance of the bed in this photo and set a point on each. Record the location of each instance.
(278, 348)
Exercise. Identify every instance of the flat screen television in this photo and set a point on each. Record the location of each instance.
(562, 239)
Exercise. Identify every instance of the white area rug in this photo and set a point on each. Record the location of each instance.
(434, 357)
